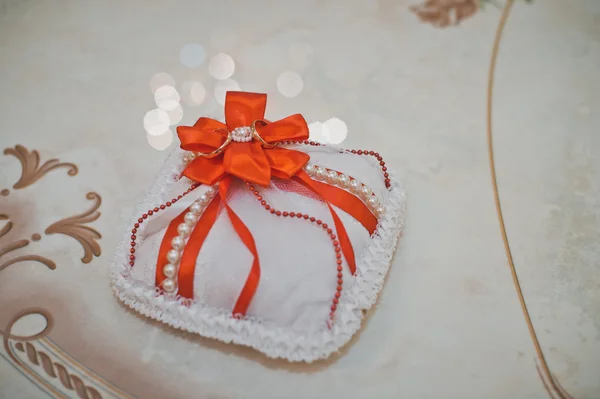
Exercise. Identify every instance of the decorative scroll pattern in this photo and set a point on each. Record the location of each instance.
(17, 245)
(443, 13)
(35, 356)
(57, 370)
(75, 227)
(53, 371)
(31, 169)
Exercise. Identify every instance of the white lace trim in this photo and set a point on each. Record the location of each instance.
(273, 341)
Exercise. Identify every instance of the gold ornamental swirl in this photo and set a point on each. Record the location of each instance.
(38, 357)
(57, 370)
(13, 246)
(443, 13)
(31, 169)
(4, 231)
(74, 226)
(16, 245)
(37, 258)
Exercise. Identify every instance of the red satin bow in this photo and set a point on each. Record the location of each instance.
(249, 161)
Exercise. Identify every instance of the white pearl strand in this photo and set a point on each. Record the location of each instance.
(178, 243)
(344, 181)
(188, 157)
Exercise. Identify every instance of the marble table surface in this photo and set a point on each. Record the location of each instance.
(80, 85)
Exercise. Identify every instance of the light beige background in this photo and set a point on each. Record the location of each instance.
(74, 81)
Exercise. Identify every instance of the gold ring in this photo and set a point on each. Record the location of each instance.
(218, 150)
(257, 136)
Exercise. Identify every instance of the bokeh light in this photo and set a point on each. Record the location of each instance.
(197, 93)
(301, 54)
(175, 115)
(156, 122)
(161, 79)
(318, 132)
(160, 142)
(192, 55)
(193, 93)
(221, 66)
(166, 98)
(290, 84)
(336, 129)
(222, 87)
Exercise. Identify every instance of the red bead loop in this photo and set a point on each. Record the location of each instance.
(325, 227)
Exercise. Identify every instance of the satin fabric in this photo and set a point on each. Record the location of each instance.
(257, 164)
(249, 161)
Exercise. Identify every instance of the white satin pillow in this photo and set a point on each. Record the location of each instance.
(289, 313)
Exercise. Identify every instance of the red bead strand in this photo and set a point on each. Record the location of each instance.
(145, 216)
(328, 230)
(358, 152)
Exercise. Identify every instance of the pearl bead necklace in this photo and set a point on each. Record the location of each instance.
(195, 210)
(188, 157)
(170, 270)
(327, 229)
(333, 177)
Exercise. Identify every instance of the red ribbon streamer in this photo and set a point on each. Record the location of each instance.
(187, 266)
(242, 231)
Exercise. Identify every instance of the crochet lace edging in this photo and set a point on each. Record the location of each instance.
(274, 341)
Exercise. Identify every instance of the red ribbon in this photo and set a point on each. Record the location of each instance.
(254, 163)
(249, 161)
